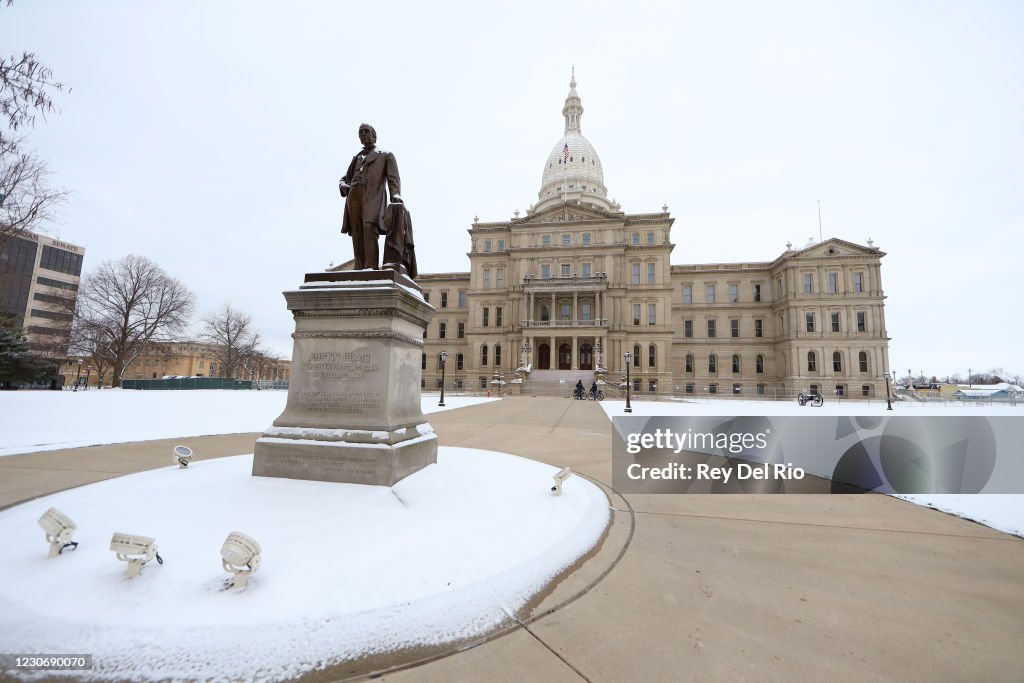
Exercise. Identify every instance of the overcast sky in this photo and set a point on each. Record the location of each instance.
(210, 136)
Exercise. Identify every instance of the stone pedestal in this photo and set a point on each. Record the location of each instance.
(353, 412)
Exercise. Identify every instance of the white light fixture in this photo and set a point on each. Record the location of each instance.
(59, 529)
(135, 550)
(182, 456)
(240, 556)
(560, 478)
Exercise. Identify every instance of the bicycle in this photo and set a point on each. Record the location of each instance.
(596, 396)
(816, 400)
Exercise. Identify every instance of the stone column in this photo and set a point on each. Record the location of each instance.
(353, 412)
(575, 364)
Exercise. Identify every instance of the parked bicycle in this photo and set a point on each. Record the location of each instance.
(596, 395)
(816, 400)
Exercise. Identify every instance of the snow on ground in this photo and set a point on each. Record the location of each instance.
(1004, 512)
(49, 420)
(447, 553)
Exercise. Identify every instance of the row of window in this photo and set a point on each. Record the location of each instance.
(734, 328)
(836, 318)
(711, 296)
(812, 362)
(833, 282)
(460, 358)
(444, 297)
(762, 389)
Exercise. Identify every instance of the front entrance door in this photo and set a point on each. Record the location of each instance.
(565, 357)
(586, 357)
(543, 357)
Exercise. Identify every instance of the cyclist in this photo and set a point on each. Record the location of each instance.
(579, 390)
(593, 391)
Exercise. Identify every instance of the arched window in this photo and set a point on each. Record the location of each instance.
(497, 355)
(837, 361)
(712, 363)
(862, 357)
(760, 364)
(812, 362)
(459, 361)
(636, 355)
(652, 356)
(483, 355)
(735, 364)
(689, 362)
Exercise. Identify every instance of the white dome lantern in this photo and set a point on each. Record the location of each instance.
(573, 171)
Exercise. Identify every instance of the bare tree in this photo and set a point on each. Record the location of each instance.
(26, 200)
(126, 304)
(235, 343)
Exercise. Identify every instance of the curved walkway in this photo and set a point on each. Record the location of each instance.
(726, 587)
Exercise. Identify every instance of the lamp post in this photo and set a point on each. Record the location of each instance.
(78, 380)
(599, 349)
(527, 349)
(629, 407)
(444, 359)
(888, 396)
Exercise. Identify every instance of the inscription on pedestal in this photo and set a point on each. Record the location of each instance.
(338, 365)
(332, 466)
(341, 402)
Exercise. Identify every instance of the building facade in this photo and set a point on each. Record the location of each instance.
(577, 283)
(39, 279)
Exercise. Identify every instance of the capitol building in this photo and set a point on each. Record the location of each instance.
(576, 283)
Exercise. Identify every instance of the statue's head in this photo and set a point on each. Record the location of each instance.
(367, 135)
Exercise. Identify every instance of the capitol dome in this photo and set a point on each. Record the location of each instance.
(573, 171)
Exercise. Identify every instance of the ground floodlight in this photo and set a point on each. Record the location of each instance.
(59, 529)
(182, 456)
(135, 550)
(240, 556)
(560, 478)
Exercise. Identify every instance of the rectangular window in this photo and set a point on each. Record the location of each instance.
(651, 312)
(636, 274)
(808, 283)
(501, 245)
(835, 321)
(636, 386)
(487, 245)
(837, 362)
(500, 278)
(487, 316)
(734, 328)
(809, 317)
(565, 311)
(862, 321)
(858, 283)
(833, 283)
(487, 278)
(759, 364)
(709, 294)
(444, 299)
(483, 355)
(426, 296)
(735, 364)
(483, 382)
(689, 387)
(566, 239)
(737, 388)
(636, 314)
(688, 365)
(423, 363)
(461, 332)
(757, 292)
(650, 273)
(636, 239)
(565, 270)
(586, 270)
(734, 293)
(497, 316)
(546, 240)
(712, 388)
(711, 328)
(840, 390)
(865, 390)
(462, 298)
(761, 389)
(586, 311)
(545, 272)
(650, 238)
(863, 360)
(652, 385)
(759, 328)
(687, 328)
(687, 294)
(442, 329)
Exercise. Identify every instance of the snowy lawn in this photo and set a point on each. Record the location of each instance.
(348, 570)
(999, 511)
(49, 420)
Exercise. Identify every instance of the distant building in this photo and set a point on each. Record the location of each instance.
(177, 359)
(1003, 390)
(579, 283)
(39, 279)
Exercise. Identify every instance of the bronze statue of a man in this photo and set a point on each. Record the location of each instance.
(365, 199)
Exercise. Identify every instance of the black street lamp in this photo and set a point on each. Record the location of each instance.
(599, 349)
(526, 353)
(888, 396)
(444, 359)
(629, 407)
(78, 380)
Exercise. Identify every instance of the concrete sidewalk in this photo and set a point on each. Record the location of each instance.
(726, 587)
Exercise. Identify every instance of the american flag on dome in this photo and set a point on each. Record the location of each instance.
(565, 151)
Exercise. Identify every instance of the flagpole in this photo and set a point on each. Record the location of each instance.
(565, 169)
(820, 239)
